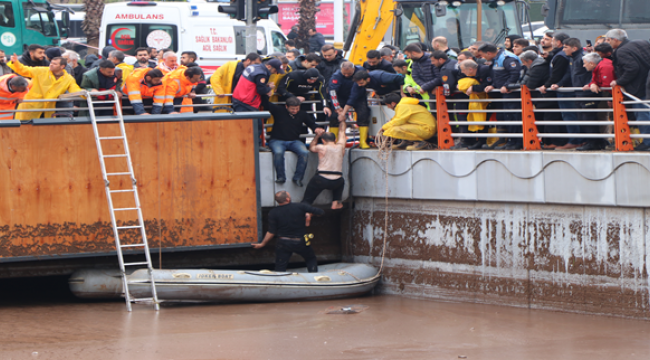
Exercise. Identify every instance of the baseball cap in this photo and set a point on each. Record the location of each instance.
(276, 64)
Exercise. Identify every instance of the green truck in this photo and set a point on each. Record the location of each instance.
(23, 23)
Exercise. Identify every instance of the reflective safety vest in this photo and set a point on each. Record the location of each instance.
(138, 89)
(176, 86)
(7, 98)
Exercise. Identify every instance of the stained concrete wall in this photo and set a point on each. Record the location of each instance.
(590, 259)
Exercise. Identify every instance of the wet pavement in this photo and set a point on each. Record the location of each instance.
(391, 327)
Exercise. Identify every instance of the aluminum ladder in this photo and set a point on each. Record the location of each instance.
(99, 140)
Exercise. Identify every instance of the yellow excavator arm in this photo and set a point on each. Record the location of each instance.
(373, 18)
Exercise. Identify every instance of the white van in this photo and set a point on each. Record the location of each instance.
(184, 26)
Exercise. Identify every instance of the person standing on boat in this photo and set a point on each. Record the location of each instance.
(287, 222)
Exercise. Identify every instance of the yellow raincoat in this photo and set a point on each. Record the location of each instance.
(126, 71)
(221, 82)
(411, 122)
(44, 86)
(463, 85)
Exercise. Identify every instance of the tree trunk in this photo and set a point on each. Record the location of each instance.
(308, 10)
(92, 22)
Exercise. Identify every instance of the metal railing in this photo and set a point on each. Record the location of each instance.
(530, 134)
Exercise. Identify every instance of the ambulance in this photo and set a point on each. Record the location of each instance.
(184, 26)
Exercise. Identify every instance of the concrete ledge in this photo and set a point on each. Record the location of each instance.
(268, 187)
(548, 177)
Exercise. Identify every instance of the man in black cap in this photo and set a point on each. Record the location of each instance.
(300, 84)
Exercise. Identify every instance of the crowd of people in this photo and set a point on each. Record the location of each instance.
(320, 90)
(153, 79)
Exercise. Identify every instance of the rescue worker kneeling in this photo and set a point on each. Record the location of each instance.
(412, 122)
(13, 89)
(179, 84)
(145, 88)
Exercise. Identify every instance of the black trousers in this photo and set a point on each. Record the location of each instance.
(284, 249)
(318, 183)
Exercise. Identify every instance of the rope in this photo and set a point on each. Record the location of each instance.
(385, 146)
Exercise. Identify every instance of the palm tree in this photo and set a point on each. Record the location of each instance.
(308, 10)
(92, 22)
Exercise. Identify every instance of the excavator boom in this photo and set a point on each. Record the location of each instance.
(373, 18)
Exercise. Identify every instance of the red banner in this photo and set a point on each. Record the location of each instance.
(288, 16)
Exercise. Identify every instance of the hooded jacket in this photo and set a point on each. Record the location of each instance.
(408, 111)
(27, 60)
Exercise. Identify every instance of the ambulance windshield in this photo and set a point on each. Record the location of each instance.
(128, 37)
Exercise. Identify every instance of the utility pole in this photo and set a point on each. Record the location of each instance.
(338, 20)
(251, 28)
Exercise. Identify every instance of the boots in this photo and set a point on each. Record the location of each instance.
(335, 131)
(363, 137)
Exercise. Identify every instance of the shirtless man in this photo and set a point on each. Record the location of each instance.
(330, 168)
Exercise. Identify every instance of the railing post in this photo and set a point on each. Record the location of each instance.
(621, 127)
(531, 141)
(445, 141)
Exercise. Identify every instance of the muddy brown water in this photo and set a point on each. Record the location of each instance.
(391, 327)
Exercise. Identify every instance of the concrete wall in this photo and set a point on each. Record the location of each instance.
(572, 258)
(553, 230)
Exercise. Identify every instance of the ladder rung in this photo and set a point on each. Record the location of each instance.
(111, 138)
(120, 191)
(116, 174)
(136, 263)
(129, 227)
(142, 299)
(103, 102)
(106, 120)
(124, 209)
(133, 245)
(115, 156)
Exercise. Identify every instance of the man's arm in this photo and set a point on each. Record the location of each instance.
(266, 240)
(435, 82)
(261, 85)
(342, 140)
(314, 143)
(19, 68)
(284, 84)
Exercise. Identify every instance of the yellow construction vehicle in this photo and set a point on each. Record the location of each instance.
(401, 22)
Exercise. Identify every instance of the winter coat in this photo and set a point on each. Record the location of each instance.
(27, 60)
(537, 74)
(328, 68)
(424, 72)
(316, 42)
(632, 65)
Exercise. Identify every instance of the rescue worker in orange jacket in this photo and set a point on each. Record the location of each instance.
(13, 89)
(178, 85)
(146, 85)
